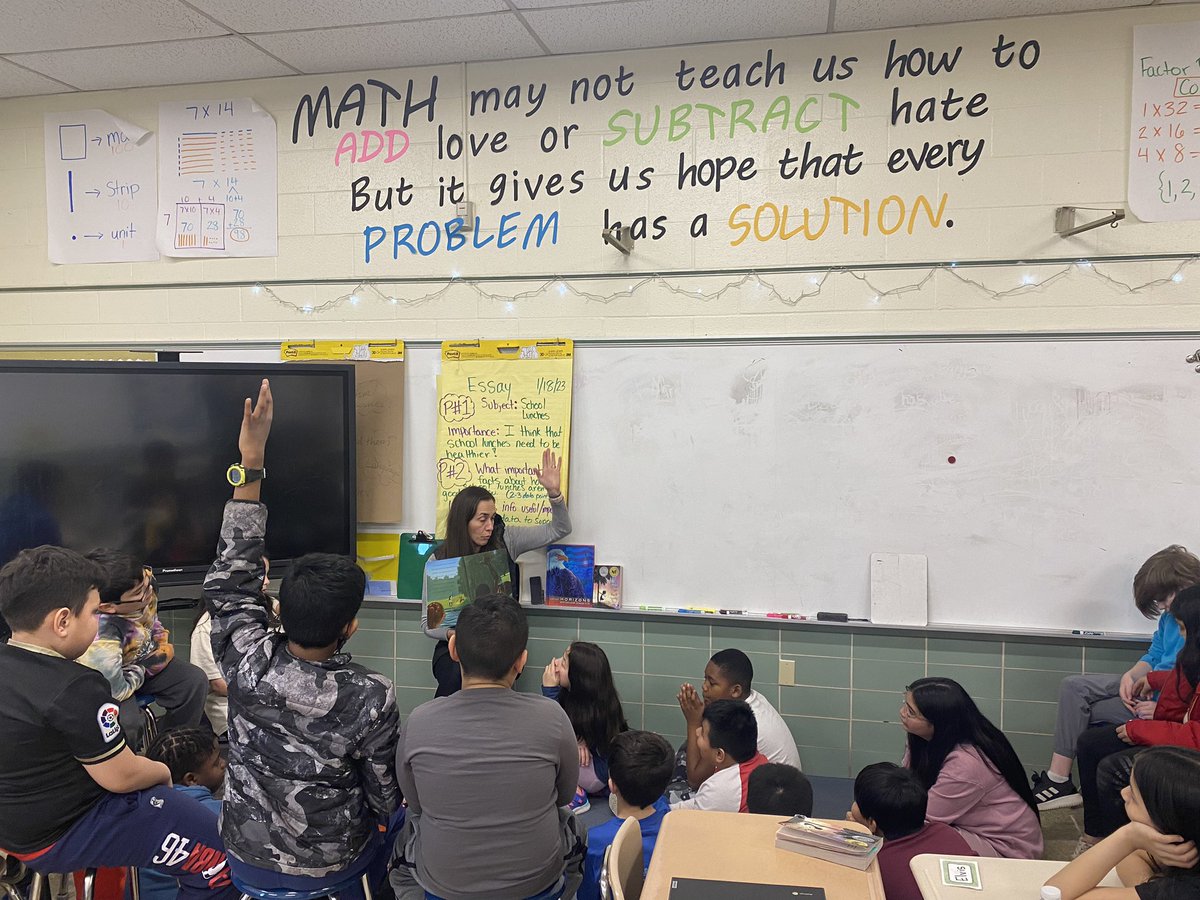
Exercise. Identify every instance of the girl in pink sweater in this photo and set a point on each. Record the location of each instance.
(975, 781)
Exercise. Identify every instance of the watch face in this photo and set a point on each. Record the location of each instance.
(235, 475)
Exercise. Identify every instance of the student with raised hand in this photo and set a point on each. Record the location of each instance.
(581, 681)
(487, 774)
(729, 675)
(312, 735)
(975, 781)
(727, 739)
(72, 793)
(474, 526)
(1100, 750)
(1155, 855)
(1087, 700)
(891, 801)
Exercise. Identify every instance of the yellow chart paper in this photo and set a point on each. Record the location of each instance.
(500, 405)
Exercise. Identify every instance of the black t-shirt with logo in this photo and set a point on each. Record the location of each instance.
(56, 717)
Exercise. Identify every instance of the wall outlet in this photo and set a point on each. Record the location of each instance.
(787, 671)
(466, 211)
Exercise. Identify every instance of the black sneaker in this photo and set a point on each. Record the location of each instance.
(1054, 795)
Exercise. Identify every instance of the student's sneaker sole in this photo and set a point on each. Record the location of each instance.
(1063, 802)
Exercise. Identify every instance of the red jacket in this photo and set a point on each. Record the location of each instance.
(1174, 719)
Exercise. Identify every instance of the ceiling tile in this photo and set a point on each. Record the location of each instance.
(550, 4)
(172, 62)
(862, 15)
(499, 36)
(18, 82)
(660, 23)
(32, 25)
(250, 18)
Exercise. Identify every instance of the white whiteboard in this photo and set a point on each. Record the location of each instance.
(763, 476)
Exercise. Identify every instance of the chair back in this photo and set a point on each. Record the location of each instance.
(626, 867)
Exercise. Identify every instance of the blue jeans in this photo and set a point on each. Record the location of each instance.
(158, 828)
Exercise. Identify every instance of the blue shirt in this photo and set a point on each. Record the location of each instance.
(600, 838)
(1165, 645)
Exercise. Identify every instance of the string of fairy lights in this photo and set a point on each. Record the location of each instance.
(812, 283)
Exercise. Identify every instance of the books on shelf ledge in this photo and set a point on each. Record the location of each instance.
(835, 844)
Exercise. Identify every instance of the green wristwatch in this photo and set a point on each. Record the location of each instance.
(238, 475)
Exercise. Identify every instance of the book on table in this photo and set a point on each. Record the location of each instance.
(832, 843)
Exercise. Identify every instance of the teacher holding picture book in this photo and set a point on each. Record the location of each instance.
(473, 527)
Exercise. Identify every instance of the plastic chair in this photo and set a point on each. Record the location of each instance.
(626, 867)
(350, 889)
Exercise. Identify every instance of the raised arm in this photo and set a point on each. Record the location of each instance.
(233, 586)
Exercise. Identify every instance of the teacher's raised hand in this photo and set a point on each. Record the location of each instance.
(550, 474)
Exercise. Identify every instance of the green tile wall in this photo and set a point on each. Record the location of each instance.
(843, 708)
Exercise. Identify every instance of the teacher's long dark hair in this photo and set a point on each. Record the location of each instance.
(957, 720)
(462, 510)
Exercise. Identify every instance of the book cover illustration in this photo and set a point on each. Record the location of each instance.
(570, 572)
(607, 592)
(453, 583)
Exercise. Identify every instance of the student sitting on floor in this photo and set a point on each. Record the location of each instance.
(312, 735)
(974, 778)
(1155, 854)
(728, 676)
(487, 773)
(779, 790)
(133, 650)
(198, 771)
(727, 741)
(581, 681)
(640, 766)
(72, 793)
(891, 801)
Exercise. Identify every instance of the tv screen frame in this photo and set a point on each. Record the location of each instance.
(189, 575)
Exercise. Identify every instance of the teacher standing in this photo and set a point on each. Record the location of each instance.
(473, 526)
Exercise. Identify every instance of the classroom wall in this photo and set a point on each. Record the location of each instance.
(843, 709)
(1053, 134)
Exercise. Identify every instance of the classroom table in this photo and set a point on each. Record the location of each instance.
(740, 847)
(1001, 879)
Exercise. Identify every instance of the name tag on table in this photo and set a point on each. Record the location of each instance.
(961, 873)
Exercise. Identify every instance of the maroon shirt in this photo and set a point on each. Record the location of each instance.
(935, 837)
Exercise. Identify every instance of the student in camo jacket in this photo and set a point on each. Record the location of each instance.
(310, 786)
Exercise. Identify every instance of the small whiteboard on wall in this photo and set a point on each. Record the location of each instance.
(1164, 139)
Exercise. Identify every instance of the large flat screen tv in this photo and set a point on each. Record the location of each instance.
(133, 456)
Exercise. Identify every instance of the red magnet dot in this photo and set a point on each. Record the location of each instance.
(951, 460)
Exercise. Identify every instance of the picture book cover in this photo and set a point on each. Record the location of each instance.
(607, 591)
(570, 571)
(453, 583)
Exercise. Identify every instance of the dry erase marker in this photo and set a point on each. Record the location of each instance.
(651, 609)
(1088, 633)
(792, 616)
